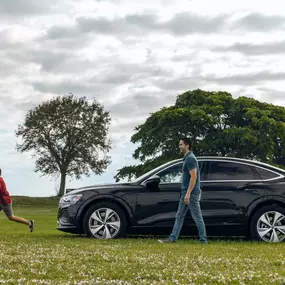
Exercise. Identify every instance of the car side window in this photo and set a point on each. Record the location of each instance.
(266, 174)
(220, 170)
(172, 174)
(202, 168)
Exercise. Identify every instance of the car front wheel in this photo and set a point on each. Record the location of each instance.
(268, 224)
(105, 220)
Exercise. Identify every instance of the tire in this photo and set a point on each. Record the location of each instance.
(95, 225)
(268, 224)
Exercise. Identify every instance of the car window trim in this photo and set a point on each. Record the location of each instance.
(221, 181)
(174, 164)
(279, 176)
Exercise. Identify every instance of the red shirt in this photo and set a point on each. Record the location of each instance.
(4, 194)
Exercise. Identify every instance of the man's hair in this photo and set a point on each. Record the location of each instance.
(0, 171)
(187, 141)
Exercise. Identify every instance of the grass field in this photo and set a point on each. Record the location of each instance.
(48, 256)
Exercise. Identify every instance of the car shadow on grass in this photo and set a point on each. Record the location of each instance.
(155, 237)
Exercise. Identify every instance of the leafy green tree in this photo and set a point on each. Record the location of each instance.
(217, 123)
(68, 136)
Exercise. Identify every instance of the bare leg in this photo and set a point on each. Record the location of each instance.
(18, 220)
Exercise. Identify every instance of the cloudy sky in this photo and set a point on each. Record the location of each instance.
(134, 57)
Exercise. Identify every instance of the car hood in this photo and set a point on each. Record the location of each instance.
(100, 187)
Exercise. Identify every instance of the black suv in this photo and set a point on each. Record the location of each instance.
(239, 198)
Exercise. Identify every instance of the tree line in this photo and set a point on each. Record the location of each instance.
(69, 136)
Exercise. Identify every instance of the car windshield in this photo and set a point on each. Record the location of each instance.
(153, 171)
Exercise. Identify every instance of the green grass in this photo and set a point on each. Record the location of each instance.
(36, 201)
(48, 256)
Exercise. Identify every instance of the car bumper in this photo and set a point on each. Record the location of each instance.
(66, 220)
(69, 229)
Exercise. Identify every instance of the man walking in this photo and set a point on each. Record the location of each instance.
(190, 194)
(6, 206)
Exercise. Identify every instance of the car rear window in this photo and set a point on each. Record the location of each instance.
(266, 174)
(222, 170)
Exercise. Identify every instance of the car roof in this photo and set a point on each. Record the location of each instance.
(215, 158)
(237, 159)
(230, 158)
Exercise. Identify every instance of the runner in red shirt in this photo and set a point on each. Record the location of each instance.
(6, 206)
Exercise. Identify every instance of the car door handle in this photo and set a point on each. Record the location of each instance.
(163, 201)
(252, 190)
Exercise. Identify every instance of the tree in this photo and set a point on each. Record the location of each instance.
(68, 136)
(217, 123)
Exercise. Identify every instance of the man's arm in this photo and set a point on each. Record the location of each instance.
(191, 165)
(193, 179)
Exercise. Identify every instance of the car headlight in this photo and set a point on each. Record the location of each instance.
(72, 199)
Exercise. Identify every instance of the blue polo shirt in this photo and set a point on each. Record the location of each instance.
(190, 162)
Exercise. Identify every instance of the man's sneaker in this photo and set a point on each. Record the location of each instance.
(165, 240)
(31, 225)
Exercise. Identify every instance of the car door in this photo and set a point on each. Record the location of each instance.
(228, 189)
(158, 207)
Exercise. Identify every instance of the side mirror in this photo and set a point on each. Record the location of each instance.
(153, 182)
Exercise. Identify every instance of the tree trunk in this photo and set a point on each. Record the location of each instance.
(62, 184)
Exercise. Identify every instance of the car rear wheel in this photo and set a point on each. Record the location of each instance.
(268, 224)
(105, 221)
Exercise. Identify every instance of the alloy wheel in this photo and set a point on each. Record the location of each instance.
(104, 223)
(271, 227)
